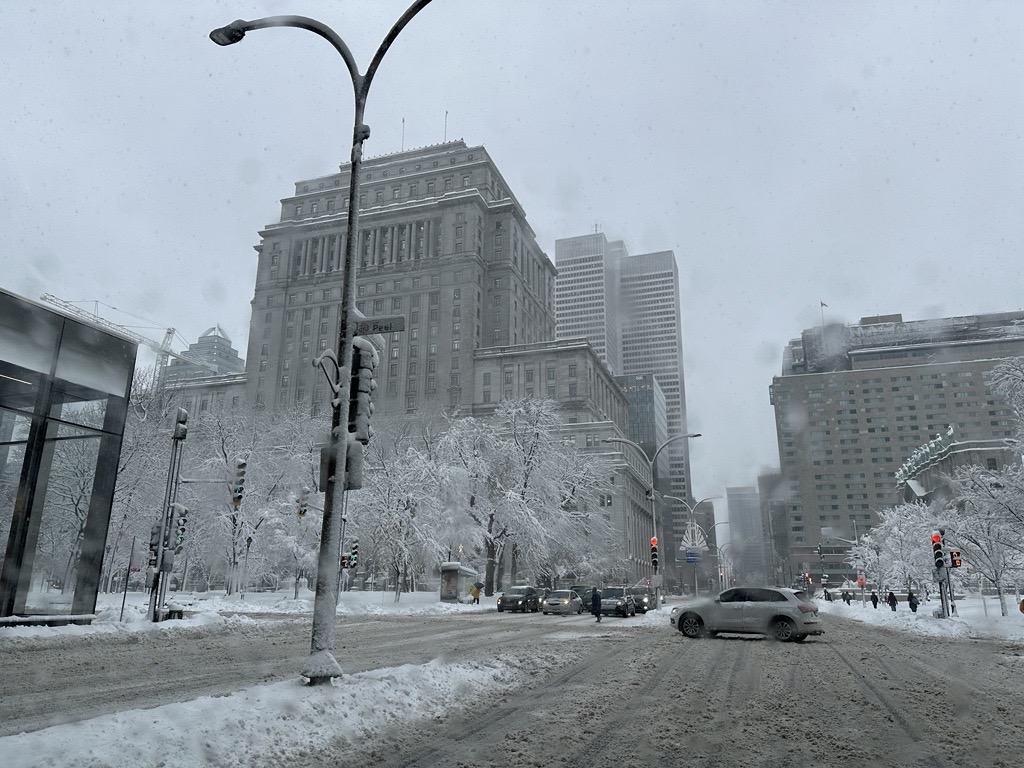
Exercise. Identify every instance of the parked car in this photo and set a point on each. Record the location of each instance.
(562, 601)
(617, 601)
(644, 599)
(585, 591)
(520, 599)
(784, 614)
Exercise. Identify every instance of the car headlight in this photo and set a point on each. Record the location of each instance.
(618, 602)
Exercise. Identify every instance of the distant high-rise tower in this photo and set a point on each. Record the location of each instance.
(215, 350)
(587, 294)
(628, 308)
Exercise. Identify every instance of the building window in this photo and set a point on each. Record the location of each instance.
(298, 211)
(454, 379)
(551, 374)
(572, 371)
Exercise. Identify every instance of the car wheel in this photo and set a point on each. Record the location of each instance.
(500, 609)
(799, 638)
(691, 625)
(545, 613)
(782, 629)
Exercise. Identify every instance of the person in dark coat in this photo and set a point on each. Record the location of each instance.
(891, 600)
(874, 600)
(846, 597)
(595, 604)
(912, 601)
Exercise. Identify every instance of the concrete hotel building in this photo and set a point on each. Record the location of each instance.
(854, 402)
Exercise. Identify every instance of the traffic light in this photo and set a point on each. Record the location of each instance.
(238, 483)
(654, 552)
(303, 502)
(954, 559)
(181, 521)
(360, 395)
(821, 554)
(354, 558)
(156, 535)
(354, 453)
(346, 561)
(180, 425)
(937, 557)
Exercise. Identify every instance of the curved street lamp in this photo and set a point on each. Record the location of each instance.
(321, 666)
(650, 466)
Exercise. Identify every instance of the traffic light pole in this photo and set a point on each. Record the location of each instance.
(159, 588)
(321, 666)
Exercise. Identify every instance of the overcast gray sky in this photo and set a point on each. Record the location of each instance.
(868, 155)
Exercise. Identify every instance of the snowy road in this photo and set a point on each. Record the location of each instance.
(621, 693)
(857, 696)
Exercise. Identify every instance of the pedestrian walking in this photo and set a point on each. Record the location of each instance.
(476, 595)
(891, 599)
(595, 604)
(874, 600)
(912, 601)
(846, 597)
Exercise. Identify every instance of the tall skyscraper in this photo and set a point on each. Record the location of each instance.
(587, 294)
(442, 241)
(854, 402)
(628, 306)
(746, 535)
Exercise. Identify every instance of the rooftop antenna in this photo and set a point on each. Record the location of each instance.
(403, 134)
(446, 125)
(597, 227)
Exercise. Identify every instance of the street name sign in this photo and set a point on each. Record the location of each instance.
(371, 325)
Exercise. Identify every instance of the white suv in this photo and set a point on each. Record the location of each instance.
(784, 614)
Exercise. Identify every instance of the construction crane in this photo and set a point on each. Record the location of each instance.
(163, 349)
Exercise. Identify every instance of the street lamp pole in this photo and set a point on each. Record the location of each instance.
(321, 666)
(650, 465)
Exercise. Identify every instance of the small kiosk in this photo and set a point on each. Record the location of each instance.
(456, 580)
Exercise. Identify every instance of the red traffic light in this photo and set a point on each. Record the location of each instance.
(654, 541)
(936, 537)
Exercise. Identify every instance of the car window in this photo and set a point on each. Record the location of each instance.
(516, 591)
(562, 594)
(763, 595)
(733, 596)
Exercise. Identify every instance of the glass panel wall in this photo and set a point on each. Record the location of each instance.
(63, 400)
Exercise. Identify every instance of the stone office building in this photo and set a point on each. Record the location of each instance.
(442, 242)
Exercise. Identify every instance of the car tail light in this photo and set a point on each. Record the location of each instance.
(807, 608)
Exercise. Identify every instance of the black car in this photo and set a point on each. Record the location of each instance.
(617, 601)
(586, 592)
(520, 599)
(644, 598)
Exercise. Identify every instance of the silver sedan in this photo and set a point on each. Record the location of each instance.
(562, 601)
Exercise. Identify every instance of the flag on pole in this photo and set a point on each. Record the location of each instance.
(822, 303)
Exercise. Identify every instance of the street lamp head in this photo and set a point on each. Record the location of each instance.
(693, 434)
(230, 34)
